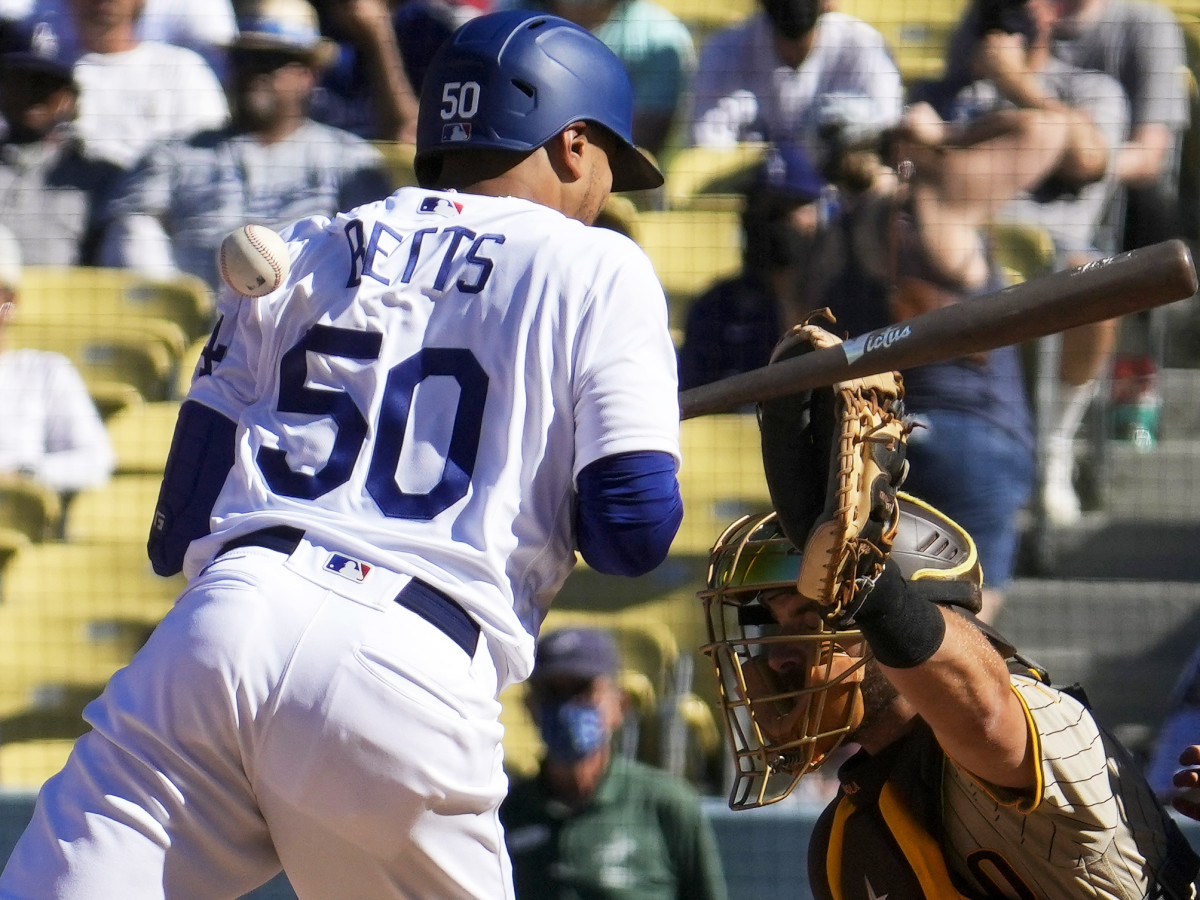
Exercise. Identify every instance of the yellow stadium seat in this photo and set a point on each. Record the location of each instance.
(106, 580)
(133, 353)
(1024, 251)
(111, 397)
(711, 177)
(119, 511)
(690, 249)
(29, 507)
(721, 478)
(399, 161)
(11, 542)
(648, 647)
(106, 297)
(141, 436)
(522, 743)
(916, 30)
(704, 16)
(25, 765)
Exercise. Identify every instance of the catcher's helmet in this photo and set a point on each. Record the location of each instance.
(790, 699)
(513, 80)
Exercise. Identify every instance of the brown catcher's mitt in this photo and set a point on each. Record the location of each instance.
(834, 458)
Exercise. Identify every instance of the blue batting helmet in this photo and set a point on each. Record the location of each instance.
(513, 80)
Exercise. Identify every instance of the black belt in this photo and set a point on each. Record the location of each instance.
(435, 607)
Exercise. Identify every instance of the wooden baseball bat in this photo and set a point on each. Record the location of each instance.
(1105, 289)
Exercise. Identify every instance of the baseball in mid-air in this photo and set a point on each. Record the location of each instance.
(253, 260)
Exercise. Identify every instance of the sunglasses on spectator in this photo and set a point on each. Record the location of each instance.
(265, 60)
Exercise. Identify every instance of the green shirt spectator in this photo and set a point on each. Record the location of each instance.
(592, 824)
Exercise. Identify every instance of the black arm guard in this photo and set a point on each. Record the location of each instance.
(197, 466)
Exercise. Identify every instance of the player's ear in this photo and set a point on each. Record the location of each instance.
(567, 150)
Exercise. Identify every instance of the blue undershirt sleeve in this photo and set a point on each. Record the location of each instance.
(200, 459)
(629, 511)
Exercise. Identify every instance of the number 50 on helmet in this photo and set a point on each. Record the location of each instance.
(513, 80)
(790, 685)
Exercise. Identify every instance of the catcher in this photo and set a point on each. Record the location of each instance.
(975, 777)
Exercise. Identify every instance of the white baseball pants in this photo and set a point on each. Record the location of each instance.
(282, 713)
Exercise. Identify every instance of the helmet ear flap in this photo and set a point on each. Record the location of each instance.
(932, 548)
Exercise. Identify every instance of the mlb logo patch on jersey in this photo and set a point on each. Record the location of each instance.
(349, 568)
(440, 206)
(459, 131)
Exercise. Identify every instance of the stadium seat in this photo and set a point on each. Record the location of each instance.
(711, 177)
(141, 436)
(11, 542)
(25, 765)
(916, 30)
(690, 249)
(1024, 251)
(106, 297)
(705, 16)
(91, 582)
(125, 354)
(29, 507)
(117, 512)
(721, 478)
(399, 161)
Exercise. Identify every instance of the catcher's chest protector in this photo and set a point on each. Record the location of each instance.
(879, 835)
(876, 838)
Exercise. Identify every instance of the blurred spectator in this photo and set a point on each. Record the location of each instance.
(1187, 781)
(273, 165)
(656, 48)
(205, 27)
(1013, 56)
(1180, 728)
(52, 432)
(135, 92)
(371, 87)
(1141, 45)
(51, 191)
(769, 77)
(592, 823)
(734, 325)
(913, 241)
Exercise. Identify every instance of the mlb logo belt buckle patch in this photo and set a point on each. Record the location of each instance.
(348, 567)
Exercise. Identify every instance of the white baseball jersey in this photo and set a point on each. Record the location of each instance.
(426, 385)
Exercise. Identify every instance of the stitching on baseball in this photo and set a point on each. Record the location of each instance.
(258, 245)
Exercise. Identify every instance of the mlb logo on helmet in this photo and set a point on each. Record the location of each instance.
(351, 569)
(459, 131)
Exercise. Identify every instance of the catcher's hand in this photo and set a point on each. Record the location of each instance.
(834, 458)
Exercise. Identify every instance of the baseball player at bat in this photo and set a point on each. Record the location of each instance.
(849, 615)
(378, 481)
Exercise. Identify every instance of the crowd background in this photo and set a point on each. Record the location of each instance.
(777, 124)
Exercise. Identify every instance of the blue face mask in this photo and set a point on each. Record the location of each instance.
(571, 730)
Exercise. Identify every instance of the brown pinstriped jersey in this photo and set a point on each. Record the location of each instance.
(1092, 829)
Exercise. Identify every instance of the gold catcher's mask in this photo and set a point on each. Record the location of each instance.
(789, 683)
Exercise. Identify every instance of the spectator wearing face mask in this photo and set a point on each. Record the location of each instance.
(592, 823)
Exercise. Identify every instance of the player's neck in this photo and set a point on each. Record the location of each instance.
(528, 178)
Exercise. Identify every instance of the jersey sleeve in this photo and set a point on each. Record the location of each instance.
(625, 385)
(226, 375)
(1073, 811)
